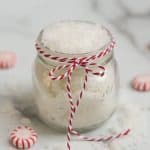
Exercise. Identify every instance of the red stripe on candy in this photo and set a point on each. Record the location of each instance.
(28, 143)
(22, 143)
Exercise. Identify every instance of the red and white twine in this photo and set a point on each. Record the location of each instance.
(71, 64)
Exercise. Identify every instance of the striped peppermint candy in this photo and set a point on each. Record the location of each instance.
(7, 59)
(141, 83)
(23, 137)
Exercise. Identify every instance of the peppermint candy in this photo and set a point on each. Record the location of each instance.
(7, 60)
(141, 83)
(23, 137)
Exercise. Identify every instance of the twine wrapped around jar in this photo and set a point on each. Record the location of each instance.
(70, 64)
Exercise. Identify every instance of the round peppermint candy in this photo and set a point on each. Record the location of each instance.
(141, 82)
(7, 59)
(23, 137)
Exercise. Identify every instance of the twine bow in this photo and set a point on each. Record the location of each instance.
(87, 64)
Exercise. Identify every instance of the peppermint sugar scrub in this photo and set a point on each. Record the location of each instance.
(74, 37)
(75, 75)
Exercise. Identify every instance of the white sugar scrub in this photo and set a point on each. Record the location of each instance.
(74, 37)
(52, 100)
(100, 97)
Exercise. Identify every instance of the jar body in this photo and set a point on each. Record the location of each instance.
(98, 103)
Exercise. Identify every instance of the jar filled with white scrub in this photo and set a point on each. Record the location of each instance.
(74, 39)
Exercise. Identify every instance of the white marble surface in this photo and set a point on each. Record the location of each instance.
(20, 23)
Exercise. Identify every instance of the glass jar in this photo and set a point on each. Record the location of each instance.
(100, 96)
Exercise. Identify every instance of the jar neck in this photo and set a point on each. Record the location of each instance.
(47, 51)
(102, 61)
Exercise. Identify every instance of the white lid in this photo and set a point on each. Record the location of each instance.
(74, 37)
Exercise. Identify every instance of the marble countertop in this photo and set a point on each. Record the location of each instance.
(21, 21)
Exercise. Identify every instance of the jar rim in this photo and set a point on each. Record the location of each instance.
(82, 54)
